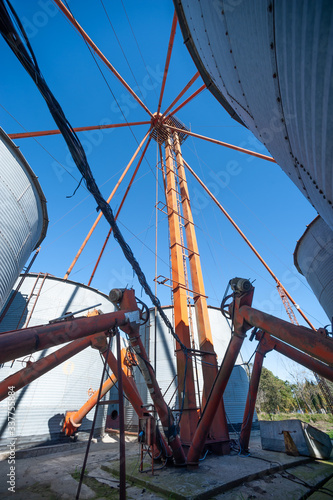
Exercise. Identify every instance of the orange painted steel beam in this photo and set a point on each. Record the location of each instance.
(119, 209)
(225, 144)
(266, 344)
(35, 370)
(228, 363)
(185, 374)
(309, 341)
(41, 133)
(247, 241)
(97, 51)
(100, 215)
(167, 62)
(17, 343)
(185, 89)
(181, 105)
(296, 355)
(251, 399)
(219, 428)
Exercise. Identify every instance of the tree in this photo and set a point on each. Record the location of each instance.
(274, 395)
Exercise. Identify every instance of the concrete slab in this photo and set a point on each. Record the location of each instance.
(214, 475)
(261, 475)
(293, 483)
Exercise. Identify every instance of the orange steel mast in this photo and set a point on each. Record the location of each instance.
(186, 390)
(219, 429)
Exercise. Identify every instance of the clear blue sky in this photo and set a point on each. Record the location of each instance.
(263, 201)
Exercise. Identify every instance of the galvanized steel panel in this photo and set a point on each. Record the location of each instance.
(314, 259)
(23, 215)
(40, 406)
(272, 63)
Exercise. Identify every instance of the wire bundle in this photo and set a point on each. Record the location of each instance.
(24, 52)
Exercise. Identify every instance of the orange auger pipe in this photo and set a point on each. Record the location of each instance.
(179, 96)
(168, 57)
(35, 370)
(100, 215)
(18, 343)
(73, 419)
(182, 104)
(230, 219)
(24, 135)
(84, 35)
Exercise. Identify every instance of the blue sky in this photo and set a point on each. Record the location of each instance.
(264, 202)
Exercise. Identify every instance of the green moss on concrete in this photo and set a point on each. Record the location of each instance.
(41, 489)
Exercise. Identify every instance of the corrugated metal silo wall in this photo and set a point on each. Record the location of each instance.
(314, 259)
(40, 406)
(271, 63)
(237, 388)
(23, 216)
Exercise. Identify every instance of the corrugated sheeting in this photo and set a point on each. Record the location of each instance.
(40, 406)
(23, 215)
(271, 62)
(314, 259)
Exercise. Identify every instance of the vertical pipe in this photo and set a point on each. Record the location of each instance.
(121, 423)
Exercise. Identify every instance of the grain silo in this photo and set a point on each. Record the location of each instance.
(313, 258)
(166, 368)
(270, 65)
(23, 219)
(41, 405)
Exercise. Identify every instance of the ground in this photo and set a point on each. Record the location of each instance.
(260, 475)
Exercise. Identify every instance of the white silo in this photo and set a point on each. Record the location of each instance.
(41, 405)
(23, 214)
(313, 257)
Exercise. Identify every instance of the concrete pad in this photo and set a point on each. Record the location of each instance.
(103, 477)
(214, 475)
(287, 484)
